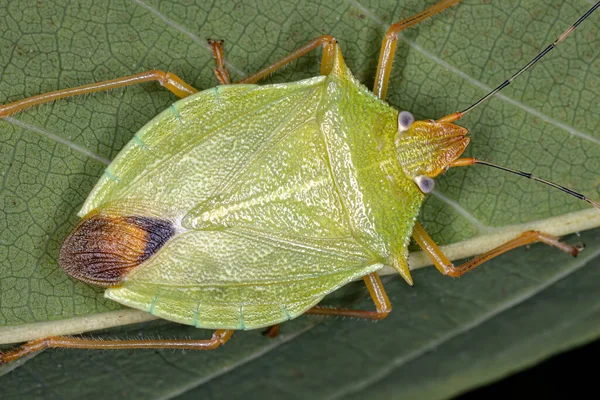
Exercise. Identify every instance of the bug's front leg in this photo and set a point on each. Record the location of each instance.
(390, 43)
(445, 266)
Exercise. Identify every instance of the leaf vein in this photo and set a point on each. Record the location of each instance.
(58, 139)
(530, 110)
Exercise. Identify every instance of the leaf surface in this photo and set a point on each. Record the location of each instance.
(545, 123)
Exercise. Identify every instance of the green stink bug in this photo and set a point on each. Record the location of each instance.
(159, 224)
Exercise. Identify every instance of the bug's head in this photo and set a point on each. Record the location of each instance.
(425, 149)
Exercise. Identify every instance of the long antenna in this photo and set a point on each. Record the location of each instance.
(471, 161)
(507, 82)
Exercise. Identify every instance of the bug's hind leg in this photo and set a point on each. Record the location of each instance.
(378, 294)
(390, 42)
(328, 43)
(221, 71)
(166, 79)
(445, 266)
(219, 338)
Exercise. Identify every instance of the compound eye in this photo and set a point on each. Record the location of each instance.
(425, 183)
(405, 120)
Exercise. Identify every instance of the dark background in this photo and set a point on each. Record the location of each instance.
(562, 375)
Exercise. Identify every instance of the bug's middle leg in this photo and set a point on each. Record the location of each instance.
(378, 294)
(328, 43)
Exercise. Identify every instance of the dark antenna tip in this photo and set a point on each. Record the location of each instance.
(562, 37)
(535, 178)
(593, 202)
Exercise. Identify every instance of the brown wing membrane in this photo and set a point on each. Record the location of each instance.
(102, 249)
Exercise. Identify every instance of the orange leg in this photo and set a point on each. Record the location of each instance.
(182, 89)
(377, 292)
(166, 79)
(328, 43)
(220, 70)
(443, 264)
(172, 81)
(219, 338)
(272, 331)
(388, 48)
(390, 42)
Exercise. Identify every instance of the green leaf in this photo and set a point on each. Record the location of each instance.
(439, 340)
(444, 336)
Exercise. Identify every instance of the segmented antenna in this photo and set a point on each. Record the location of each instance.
(507, 82)
(535, 178)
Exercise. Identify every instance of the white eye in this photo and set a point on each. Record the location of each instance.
(405, 120)
(425, 183)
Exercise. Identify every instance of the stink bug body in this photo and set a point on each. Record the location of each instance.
(242, 206)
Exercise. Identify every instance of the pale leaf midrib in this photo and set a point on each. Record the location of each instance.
(464, 245)
(562, 225)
